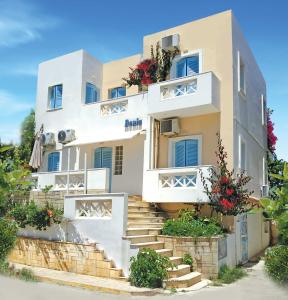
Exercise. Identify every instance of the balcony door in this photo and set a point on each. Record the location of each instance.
(103, 159)
(186, 153)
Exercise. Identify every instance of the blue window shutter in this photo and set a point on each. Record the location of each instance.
(191, 149)
(107, 157)
(53, 161)
(180, 154)
(98, 158)
(114, 93)
(58, 96)
(192, 65)
(121, 91)
(181, 68)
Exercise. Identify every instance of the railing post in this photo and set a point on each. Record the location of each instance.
(68, 171)
(85, 173)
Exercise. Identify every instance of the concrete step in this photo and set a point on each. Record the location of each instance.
(148, 245)
(183, 281)
(136, 209)
(144, 225)
(146, 219)
(178, 271)
(115, 273)
(141, 238)
(138, 204)
(142, 231)
(176, 260)
(165, 252)
(145, 214)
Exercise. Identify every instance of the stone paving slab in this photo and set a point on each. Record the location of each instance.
(89, 282)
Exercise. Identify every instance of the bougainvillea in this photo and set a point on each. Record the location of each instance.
(225, 189)
(271, 137)
(152, 70)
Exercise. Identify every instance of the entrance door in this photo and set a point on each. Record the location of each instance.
(186, 153)
(103, 159)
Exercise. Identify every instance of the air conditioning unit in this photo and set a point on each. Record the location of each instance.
(169, 126)
(47, 139)
(265, 190)
(66, 136)
(170, 42)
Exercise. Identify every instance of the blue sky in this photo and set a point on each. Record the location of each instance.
(35, 30)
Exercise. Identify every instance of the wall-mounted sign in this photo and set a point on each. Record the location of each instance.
(135, 124)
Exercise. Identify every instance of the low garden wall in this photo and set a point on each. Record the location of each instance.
(208, 253)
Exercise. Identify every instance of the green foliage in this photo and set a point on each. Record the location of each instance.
(27, 137)
(190, 225)
(275, 166)
(188, 260)
(8, 231)
(228, 275)
(47, 189)
(276, 263)
(149, 269)
(24, 274)
(38, 217)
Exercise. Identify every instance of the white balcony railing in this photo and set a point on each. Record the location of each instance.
(114, 108)
(186, 96)
(94, 179)
(175, 185)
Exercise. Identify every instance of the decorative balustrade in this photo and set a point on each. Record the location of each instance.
(94, 208)
(176, 90)
(176, 181)
(76, 181)
(114, 108)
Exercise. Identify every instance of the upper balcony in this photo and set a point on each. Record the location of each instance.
(186, 96)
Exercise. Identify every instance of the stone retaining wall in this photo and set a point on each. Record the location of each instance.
(71, 257)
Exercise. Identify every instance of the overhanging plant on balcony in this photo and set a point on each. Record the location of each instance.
(225, 189)
(152, 70)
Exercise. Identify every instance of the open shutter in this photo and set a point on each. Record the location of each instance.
(181, 68)
(193, 65)
(98, 158)
(180, 154)
(191, 152)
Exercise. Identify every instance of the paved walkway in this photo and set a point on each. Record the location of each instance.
(254, 287)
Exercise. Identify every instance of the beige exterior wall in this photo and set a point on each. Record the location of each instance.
(207, 126)
(213, 37)
(114, 71)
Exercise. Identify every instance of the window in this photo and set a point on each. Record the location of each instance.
(241, 75)
(188, 66)
(117, 92)
(242, 154)
(92, 93)
(118, 160)
(263, 110)
(53, 161)
(103, 157)
(55, 96)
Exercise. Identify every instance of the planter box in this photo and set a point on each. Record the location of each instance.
(208, 253)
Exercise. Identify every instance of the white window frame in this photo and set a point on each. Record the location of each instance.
(242, 140)
(114, 162)
(240, 62)
(185, 55)
(263, 110)
(171, 148)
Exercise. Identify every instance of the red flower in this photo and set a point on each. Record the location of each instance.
(224, 180)
(226, 204)
(50, 213)
(229, 192)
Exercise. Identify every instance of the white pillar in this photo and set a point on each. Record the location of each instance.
(85, 173)
(68, 170)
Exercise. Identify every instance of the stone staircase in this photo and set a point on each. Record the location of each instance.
(144, 224)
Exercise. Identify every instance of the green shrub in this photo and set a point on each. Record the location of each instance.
(189, 225)
(188, 260)
(148, 269)
(276, 263)
(38, 217)
(228, 275)
(24, 274)
(8, 231)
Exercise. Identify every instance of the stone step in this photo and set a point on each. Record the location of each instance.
(140, 214)
(178, 271)
(148, 245)
(146, 219)
(138, 204)
(145, 225)
(142, 231)
(141, 238)
(115, 273)
(165, 252)
(135, 209)
(183, 281)
(176, 260)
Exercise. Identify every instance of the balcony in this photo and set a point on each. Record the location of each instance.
(175, 185)
(92, 179)
(186, 96)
